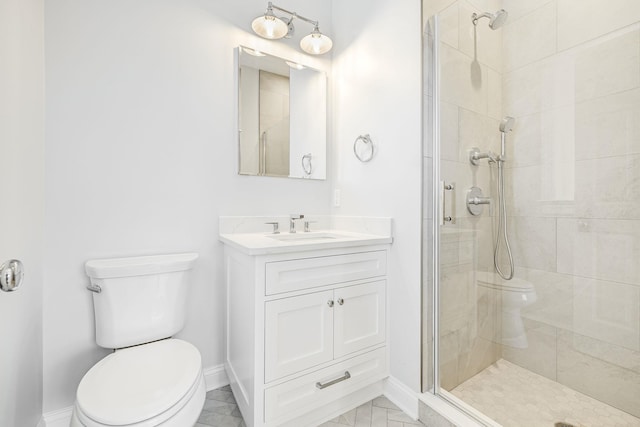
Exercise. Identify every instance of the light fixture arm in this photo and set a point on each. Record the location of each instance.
(293, 14)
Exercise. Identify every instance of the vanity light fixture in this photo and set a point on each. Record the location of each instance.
(271, 27)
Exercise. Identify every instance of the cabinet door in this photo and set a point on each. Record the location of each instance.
(359, 317)
(298, 333)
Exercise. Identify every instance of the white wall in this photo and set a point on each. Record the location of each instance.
(141, 157)
(21, 207)
(377, 90)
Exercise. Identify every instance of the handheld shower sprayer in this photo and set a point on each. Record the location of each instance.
(506, 125)
(502, 239)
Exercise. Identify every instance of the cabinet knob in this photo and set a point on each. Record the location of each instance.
(330, 303)
(340, 301)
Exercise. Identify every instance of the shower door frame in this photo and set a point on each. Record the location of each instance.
(437, 187)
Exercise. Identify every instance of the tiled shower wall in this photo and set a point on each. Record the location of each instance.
(571, 78)
(470, 108)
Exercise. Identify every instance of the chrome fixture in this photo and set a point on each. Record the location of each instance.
(363, 148)
(307, 226)
(292, 221)
(94, 288)
(444, 187)
(11, 275)
(276, 227)
(475, 155)
(496, 20)
(271, 27)
(346, 376)
(505, 126)
(476, 200)
(307, 166)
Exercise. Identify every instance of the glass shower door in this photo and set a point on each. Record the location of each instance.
(549, 92)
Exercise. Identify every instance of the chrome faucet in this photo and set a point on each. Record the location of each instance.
(292, 222)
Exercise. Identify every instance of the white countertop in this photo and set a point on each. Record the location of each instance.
(269, 243)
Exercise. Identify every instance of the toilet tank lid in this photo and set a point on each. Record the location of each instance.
(139, 266)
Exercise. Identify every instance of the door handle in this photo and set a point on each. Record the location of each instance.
(444, 187)
(11, 275)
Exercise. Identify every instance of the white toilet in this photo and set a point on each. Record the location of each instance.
(150, 379)
(515, 295)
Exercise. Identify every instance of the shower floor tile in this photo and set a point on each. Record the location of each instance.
(514, 396)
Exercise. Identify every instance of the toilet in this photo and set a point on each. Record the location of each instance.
(515, 294)
(150, 379)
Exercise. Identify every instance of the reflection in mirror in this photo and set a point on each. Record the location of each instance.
(282, 116)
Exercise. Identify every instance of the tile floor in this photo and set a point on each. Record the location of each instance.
(514, 396)
(220, 410)
(379, 412)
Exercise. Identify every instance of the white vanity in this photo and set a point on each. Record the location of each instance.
(306, 317)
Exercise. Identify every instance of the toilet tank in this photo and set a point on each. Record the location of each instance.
(140, 299)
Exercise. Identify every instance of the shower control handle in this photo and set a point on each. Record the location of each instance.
(475, 200)
(479, 201)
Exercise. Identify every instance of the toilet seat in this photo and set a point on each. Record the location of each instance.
(144, 385)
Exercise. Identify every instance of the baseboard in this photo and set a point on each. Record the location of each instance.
(57, 418)
(402, 396)
(214, 377)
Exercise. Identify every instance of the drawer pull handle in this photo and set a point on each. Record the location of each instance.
(346, 376)
(330, 303)
(340, 301)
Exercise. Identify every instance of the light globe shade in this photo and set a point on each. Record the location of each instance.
(270, 27)
(316, 43)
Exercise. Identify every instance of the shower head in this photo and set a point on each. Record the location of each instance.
(506, 125)
(496, 20)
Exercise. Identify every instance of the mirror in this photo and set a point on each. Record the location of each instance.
(282, 117)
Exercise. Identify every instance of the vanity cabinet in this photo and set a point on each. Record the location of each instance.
(306, 332)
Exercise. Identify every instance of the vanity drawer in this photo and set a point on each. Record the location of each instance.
(301, 395)
(286, 276)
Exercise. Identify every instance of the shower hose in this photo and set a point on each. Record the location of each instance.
(502, 227)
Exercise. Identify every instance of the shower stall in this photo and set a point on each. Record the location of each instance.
(531, 213)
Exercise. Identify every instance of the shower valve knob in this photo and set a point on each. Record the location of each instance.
(475, 200)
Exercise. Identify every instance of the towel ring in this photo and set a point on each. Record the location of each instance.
(363, 148)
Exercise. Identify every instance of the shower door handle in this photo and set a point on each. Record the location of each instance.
(444, 187)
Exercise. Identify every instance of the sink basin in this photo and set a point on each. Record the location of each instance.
(305, 237)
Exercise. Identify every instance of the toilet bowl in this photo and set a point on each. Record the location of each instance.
(515, 294)
(150, 379)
